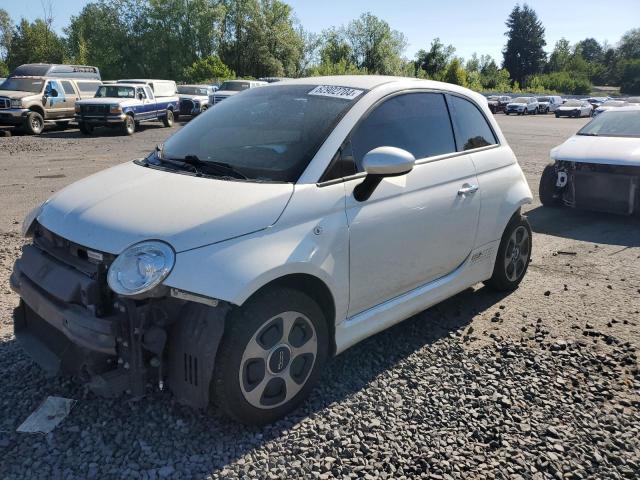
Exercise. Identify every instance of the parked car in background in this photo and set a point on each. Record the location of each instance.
(599, 167)
(574, 108)
(277, 230)
(35, 94)
(549, 103)
(194, 99)
(522, 106)
(497, 103)
(124, 106)
(233, 87)
(272, 79)
(608, 105)
(595, 102)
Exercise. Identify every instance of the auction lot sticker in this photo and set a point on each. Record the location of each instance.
(336, 92)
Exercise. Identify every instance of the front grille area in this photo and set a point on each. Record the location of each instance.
(93, 264)
(186, 107)
(5, 103)
(94, 109)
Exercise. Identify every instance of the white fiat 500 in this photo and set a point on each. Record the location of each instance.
(269, 234)
(599, 167)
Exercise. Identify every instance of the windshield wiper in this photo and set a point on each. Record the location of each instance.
(199, 167)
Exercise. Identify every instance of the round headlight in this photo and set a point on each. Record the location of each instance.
(140, 267)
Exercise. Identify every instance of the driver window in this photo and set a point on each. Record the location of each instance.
(140, 93)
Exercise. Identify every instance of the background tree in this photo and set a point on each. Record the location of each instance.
(33, 43)
(435, 60)
(559, 58)
(590, 50)
(455, 73)
(6, 33)
(209, 69)
(524, 53)
(629, 46)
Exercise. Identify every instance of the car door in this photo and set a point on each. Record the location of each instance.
(147, 107)
(67, 106)
(418, 227)
(54, 100)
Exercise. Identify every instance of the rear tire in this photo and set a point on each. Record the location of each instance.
(168, 119)
(547, 191)
(513, 256)
(34, 123)
(128, 126)
(261, 372)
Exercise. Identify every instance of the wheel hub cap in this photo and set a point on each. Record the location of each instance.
(279, 359)
(517, 253)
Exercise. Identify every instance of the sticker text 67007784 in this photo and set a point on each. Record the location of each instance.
(334, 91)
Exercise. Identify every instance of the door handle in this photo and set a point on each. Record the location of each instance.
(468, 189)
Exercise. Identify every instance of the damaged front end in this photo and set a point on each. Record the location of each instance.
(598, 187)
(72, 323)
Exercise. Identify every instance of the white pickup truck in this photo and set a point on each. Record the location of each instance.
(125, 106)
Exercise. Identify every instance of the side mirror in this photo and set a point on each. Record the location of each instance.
(54, 92)
(379, 163)
(140, 96)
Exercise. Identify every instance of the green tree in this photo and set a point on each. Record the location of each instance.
(524, 53)
(435, 60)
(629, 46)
(590, 50)
(375, 46)
(4, 70)
(335, 47)
(473, 64)
(559, 58)
(207, 69)
(455, 73)
(630, 77)
(34, 42)
(6, 33)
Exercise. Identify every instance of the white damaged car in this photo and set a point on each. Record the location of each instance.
(599, 167)
(281, 228)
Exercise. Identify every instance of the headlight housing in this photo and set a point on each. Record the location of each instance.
(141, 267)
(16, 103)
(115, 109)
(27, 223)
(77, 108)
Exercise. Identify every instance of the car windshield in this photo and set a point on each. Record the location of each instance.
(115, 91)
(614, 123)
(573, 103)
(265, 134)
(186, 90)
(23, 84)
(544, 99)
(520, 100)
(234, 86)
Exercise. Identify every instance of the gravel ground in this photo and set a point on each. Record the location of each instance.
(541, 383)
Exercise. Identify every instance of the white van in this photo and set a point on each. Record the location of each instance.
(549, 103)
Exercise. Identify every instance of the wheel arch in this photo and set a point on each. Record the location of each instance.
(37, 109)
(312, 286)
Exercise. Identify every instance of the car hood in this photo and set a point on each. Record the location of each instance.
(17, 94)
(604, 150)
(564, 107)
(193, 97)
(104, 100)
(226, 93)
(516, 104)
(123, 205)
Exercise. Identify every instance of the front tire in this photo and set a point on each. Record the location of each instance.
(34, 123)
(271, 355)
(547, 191)
(513, 256)
(168, 119)
(129, 125)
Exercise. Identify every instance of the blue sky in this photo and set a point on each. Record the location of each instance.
(471, 26)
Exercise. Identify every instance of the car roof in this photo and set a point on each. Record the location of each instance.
(132, 85)
(628, 108)
(194, 85)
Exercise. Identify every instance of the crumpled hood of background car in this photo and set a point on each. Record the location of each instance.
(605, 150)
(123, 205)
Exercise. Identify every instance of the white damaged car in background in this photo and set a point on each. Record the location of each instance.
(599, 167)
(282, 227)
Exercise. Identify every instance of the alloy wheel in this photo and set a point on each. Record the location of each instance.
(278, 360)
(517, 253)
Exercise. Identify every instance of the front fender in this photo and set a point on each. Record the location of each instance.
(235, 269)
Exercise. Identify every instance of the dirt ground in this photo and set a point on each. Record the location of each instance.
(582, 290)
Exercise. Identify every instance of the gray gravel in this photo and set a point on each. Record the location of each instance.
(541, 383)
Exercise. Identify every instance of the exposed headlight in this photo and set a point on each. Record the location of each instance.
(115, 109)
(141, 267)
(77, 108)
(16, 103)
(27, 223)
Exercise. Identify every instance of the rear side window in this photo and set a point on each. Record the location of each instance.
(416, 122)
(472, 129)
(68, 88)
(88, 87)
